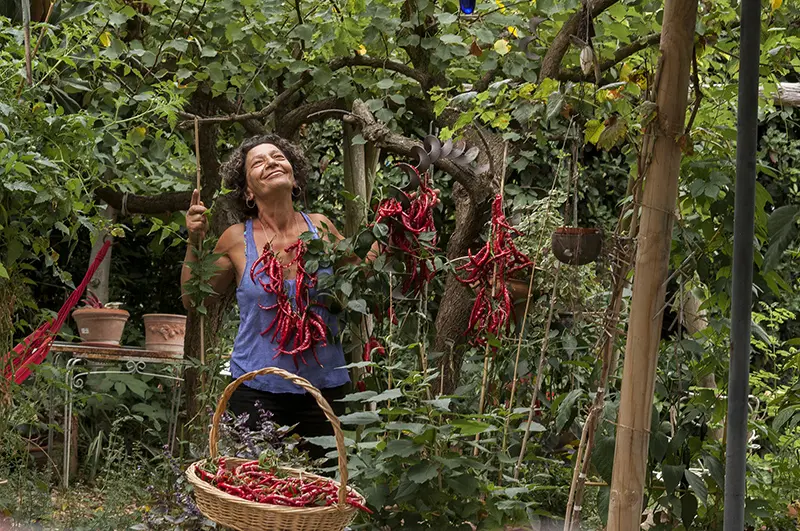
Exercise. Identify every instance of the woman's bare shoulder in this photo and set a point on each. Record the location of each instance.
(321, 221)
(232, 237)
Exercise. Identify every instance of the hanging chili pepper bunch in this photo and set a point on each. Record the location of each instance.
(491, 314)
(406, 227)
(251, 482)
(296, 327)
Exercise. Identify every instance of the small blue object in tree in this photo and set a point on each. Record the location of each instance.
(467, 6)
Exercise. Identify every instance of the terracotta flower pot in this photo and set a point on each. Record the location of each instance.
(577, 245)
(164, 332)
(103, 326)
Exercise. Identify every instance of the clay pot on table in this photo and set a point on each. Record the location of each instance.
(164, 332)
(102, 326)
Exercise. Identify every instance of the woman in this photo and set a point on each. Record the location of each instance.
(265, 173)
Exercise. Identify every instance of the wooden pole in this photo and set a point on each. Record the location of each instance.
(26, 36)
(652, 262)
(36, 49)
(199, 190)
(486, 357)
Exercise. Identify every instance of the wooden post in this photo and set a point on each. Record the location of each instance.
(355, 179)
(652, 261)
(100, 281)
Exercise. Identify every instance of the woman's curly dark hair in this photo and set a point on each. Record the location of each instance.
(234, 175)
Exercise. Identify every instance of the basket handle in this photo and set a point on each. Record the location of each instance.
(222, 404)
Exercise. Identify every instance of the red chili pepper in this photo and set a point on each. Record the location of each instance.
(498, 258)
(405, 226)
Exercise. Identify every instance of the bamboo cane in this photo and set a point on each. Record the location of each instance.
(486, 357)
(538, 383)
(199, 189)
(36, 48)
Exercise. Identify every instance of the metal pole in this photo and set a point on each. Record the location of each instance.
(742, 292)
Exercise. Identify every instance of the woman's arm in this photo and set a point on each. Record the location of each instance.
(321, 221)
(197, 225)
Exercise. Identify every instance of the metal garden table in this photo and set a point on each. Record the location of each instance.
(83, 360)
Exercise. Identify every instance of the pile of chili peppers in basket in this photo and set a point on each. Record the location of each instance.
(492, 313)
(296, 327)
(406, 227)
(251, 482)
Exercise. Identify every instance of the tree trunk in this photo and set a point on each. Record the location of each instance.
(355, 179)
(652, 261)
(457, 300)
(100, 280)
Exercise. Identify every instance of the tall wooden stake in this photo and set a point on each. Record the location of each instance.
(199, 189)
(26, 36)
(652, 262)
(486, 357)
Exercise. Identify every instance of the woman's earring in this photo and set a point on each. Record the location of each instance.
(296, 192)
(249, 202)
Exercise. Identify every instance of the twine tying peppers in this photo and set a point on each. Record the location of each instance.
(294, 323)
(492, 312)
(406, 227)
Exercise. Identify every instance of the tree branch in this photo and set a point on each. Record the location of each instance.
(307, 113)
(384, 138)
(337, 64)
(620, 55)
(165, 203)
(384, 63)
(279, 100)
(551, 63)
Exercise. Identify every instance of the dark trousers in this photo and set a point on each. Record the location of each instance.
(288, 409)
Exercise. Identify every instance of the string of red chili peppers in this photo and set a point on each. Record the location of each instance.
(296, 324)
(405, 228)
(492, 312)
(251, 482)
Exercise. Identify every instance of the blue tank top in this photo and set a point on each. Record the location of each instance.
(252, 351)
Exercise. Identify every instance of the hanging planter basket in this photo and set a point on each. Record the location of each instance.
(577, 245)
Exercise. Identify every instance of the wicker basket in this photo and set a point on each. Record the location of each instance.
(244, 515)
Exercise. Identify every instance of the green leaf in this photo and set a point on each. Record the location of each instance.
(119, 387)
(358, 397)
(358, 305)
(603, 457)
(400, 448)
(77, 10)
(688, 509)
(442, 404)
(385, 83)
(471, 427)
(390, 394)
(554, 105)
(715, 469)
(3, 271)
(414, 427)
(698, 486)
(782, 229)
(783, 417)
(593, 130)
(329, 441)
(603, 499)
(361, 417)
(449, 38)
(672, 475)
(422, 472)
(565, 409)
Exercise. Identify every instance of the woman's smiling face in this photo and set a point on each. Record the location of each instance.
(267, 170)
